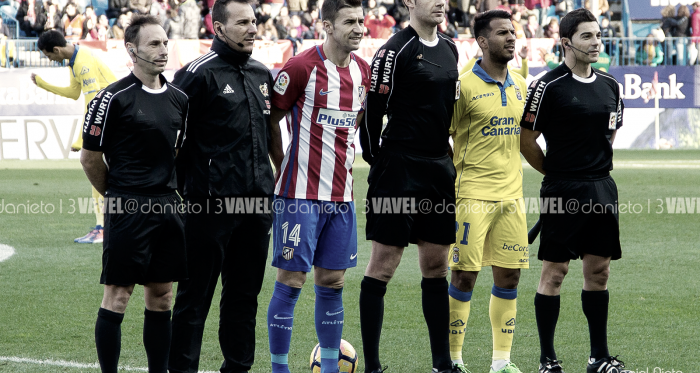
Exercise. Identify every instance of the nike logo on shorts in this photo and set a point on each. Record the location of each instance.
(283, 318)
(328, 313)
(353, 256)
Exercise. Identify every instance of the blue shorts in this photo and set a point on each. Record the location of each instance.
(312, 232)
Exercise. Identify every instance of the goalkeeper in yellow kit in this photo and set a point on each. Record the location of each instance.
(88, 75)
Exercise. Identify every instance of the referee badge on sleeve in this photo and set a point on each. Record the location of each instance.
(459, 89)
(612, 124)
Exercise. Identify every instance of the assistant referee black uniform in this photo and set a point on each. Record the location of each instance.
(139, 131)
(577, 117)
(225, 155)
(415, 83)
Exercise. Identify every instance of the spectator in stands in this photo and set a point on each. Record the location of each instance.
(53, 19)
(309, 18)
(319, 32)
(264, 10)
(140, 6)
(668, 20)
(269, 31)
(606, 31)
(121, 25)
(302, 31)
(563, 7)
(117, 7)
(102, 27)
(515, 20)
(681, 32)
(533, 28)
(206, 18)
(72, 22)
(400, 14)
(276, 7)
(448, 29)
(379, 23)
(651, 53)
(293, 36)
(504, 6)
(297, 7)
(31, 17)
(173, 25)
(695, 26)
(602, 11)
(551, 28)
(191, 19)
(540, 7)
(4, 31)
(371, 6)
(485, 5)
(159, 9)
(89, 24)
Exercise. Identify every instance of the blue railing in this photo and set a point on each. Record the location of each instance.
(642, 52)
(633, 51)
(24, 53)
(11, 23)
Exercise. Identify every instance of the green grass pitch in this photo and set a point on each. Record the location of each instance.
(50, 292)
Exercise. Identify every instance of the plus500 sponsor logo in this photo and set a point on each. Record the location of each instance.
(336, 118)
(501, 126)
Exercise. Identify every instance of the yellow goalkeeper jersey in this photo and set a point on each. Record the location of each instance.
(486, 133)
(88, 74)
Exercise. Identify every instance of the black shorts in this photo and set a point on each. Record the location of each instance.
(144, 240)
(586, 222)
(408, 199)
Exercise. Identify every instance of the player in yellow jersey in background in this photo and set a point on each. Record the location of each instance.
(88, 75)
(491, 227)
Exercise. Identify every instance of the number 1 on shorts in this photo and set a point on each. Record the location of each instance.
(466, 234)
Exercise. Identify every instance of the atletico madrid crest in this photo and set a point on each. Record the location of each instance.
(263, 89)
(288, 253)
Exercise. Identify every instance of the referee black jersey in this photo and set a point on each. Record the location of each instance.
(415, 83)
(138, 130)
(577, 117)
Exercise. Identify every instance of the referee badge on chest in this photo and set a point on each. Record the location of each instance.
(263, 89)
(458, 90)
(612, 124)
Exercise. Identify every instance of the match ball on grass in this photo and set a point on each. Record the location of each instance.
(347, 358)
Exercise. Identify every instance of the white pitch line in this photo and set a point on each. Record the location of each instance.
(72, 364)
(6, 251)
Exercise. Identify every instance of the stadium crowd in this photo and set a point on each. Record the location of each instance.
(297, 20)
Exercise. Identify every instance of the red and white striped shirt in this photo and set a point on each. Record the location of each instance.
(324, 101)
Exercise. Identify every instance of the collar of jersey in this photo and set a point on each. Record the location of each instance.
(163, 82)
(481, 73)
(71, 62)
(322, 54)
(227, 54)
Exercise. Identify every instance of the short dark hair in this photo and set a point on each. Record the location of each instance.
(482, 21)
(569, 24)
(51, 39)
(330, 8)
(219, 12)
(131, 34)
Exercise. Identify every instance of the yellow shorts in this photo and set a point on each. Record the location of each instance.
(490, 234)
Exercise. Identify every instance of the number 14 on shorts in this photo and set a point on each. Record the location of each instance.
(294, 235)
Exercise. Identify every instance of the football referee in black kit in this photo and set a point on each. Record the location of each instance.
(415, 83)
(225, 156)
(578, 110)
(137, 124)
